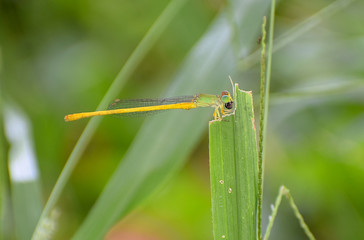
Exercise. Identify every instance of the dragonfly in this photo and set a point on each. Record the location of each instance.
(223, 104)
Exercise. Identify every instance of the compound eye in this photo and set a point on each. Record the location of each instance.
(224, 93)
(225, 99)
(229, 105)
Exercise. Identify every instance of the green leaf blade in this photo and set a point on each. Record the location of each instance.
(222, 174)
(233, 172)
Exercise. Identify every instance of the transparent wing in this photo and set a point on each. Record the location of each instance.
(136, 103)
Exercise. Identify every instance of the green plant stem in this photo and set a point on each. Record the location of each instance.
(264, 102)
(260, 153)
(274, 213)
(284, 191)
(131, 64)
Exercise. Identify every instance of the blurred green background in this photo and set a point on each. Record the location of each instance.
(60, 57)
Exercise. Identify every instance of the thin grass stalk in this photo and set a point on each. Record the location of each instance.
(262, 109)
(264, 101)
(283, 191)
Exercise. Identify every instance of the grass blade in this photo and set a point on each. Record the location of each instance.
(233, 172)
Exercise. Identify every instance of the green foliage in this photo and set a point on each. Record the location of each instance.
(63, 60)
